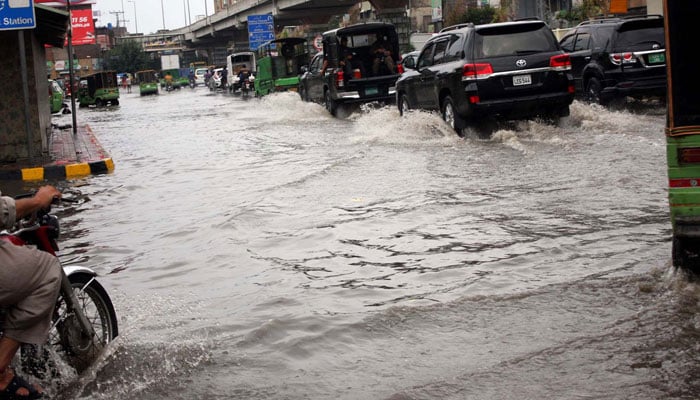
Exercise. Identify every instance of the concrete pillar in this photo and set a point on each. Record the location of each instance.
(16, 146)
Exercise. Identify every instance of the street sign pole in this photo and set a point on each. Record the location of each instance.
(71, 76)
(25, 90)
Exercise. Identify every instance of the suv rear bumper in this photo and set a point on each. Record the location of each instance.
(517, 108)
(654, 86)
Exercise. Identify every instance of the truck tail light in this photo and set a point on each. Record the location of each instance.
(340, 79)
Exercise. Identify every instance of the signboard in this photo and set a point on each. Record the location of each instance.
(618, 7)
(437, 10)
(82, 25)
(17, 14)
(261, 28)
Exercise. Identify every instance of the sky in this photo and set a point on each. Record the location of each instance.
(149, 14)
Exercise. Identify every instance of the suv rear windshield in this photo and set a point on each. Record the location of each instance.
(639, 35)
(513, 40)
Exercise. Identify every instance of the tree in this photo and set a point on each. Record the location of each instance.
(476, 15)
(126, 57)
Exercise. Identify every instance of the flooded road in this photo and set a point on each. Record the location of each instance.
(261, 249)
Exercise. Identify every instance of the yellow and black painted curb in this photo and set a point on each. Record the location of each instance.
(57, 172)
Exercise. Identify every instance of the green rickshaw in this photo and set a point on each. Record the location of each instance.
(148, 82)
(175, 82)
(279, 64)
(56, 97)
(99, 89)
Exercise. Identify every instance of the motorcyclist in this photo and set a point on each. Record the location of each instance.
(191, 77)
(243, 76)
(29, 283)
(168, 81)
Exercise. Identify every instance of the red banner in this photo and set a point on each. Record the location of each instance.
(83, 26)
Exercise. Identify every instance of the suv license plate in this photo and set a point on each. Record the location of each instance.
(371, 91)
(657, 58)
(520, 80)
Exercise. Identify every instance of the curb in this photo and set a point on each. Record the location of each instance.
(59, 171)
(66, 151)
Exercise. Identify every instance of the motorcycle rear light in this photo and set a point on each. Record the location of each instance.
(476, 71)
(689, 155)
(474, 99)
(561, 62)
(622, 58)
(399, 69)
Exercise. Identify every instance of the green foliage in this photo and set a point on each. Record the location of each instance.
(476, 15)
(127, 57)
(585, 10)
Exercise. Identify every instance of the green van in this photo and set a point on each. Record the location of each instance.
(99, 89)
(279, 65)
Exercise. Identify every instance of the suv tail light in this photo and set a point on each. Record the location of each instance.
(561, 62)
(339, 79)
(476, 71)
(622, 58)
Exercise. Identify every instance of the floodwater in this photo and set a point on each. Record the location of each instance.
(261, 249)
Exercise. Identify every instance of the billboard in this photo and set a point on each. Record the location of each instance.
(82, 26)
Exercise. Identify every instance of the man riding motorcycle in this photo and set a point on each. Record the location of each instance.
(29, 283)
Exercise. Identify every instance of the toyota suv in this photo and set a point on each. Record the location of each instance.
(613, 58)
(502, 71)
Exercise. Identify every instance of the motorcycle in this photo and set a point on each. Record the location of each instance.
(245, 87)
(84, 320)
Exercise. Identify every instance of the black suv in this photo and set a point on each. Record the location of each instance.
(351, 70)
(613, 58)
(510, 70)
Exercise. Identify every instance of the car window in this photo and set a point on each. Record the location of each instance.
(426, 56)
(510, 40)
(439, 53)
(582, 41)
(568, 43)
(639, 39)
(455, 50)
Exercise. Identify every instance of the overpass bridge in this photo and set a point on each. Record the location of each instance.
(228, 28)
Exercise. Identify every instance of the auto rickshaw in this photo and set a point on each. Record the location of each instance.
(99, 89)
(279, 64)
(56, 97)
(175, 81)
(683, 133)
(148, 82)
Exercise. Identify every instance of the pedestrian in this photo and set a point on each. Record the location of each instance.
(29, 283)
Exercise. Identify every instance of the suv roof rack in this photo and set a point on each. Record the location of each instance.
(527, 19)
(458, 26)
(607, 19)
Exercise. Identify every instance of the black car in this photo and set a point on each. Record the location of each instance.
(613, 58)
(470, 73)
(353, 70)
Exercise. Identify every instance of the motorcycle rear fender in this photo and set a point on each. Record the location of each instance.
(76, 269)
